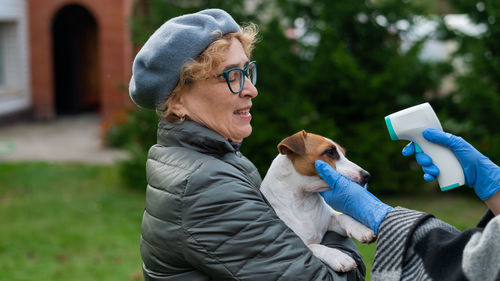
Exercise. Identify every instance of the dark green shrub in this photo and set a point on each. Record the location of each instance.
(136, 135)
(341, 87)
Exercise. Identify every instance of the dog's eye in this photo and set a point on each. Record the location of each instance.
(332, 153)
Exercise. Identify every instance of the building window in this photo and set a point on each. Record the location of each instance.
(10, 60)
(2, 55)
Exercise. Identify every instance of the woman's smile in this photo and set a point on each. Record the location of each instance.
(243, 113)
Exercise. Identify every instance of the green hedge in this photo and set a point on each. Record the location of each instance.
(340, 79)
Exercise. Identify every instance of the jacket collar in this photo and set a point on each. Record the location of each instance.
(192, 135)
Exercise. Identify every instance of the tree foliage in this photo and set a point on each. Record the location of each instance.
(342, 85)
(474, 108)
(337, 68)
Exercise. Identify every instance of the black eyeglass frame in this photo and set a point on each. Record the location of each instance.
(225, 74)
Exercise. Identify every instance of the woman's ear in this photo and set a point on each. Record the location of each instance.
(177, 105)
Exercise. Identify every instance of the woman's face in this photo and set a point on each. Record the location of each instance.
(210, 102)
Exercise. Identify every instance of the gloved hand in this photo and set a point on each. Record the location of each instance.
(431, 171)
(480, 172)
(351, 198)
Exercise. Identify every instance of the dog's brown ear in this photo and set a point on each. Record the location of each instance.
(293, 144)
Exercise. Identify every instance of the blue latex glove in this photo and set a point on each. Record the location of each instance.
(431, 171)
(480, 172)
(351, 198)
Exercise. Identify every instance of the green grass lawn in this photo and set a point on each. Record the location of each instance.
(77, 222)
(68, 222)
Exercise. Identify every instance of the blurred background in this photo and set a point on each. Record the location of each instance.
(334, 68)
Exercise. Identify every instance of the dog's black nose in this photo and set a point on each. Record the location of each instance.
(365, 177)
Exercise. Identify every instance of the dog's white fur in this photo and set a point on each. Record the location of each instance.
(297, 202)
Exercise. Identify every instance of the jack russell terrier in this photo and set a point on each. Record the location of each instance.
(292, 187)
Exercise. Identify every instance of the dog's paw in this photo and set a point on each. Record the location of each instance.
(336, 259)
(363, 235)
(342, 262)
(356, 230)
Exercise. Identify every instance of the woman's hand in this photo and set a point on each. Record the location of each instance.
(351, 198)
(480, 172)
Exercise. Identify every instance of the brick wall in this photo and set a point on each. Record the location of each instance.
(115, 53)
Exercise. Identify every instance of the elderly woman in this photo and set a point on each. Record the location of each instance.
(205, 217)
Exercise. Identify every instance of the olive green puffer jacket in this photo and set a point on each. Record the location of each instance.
(206, 219)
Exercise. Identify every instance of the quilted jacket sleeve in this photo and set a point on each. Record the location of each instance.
(232, 234)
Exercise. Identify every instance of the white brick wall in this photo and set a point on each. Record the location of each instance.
(15, 83)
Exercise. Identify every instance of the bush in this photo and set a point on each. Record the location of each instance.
(338, 79)
(136, 135)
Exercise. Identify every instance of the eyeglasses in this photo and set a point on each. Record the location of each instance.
(235, 77)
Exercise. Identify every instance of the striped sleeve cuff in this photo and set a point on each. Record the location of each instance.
(395, 233)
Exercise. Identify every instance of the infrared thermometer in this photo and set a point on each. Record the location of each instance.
(408, 124)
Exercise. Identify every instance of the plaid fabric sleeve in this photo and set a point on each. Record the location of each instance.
(394, 233)
(416, 246)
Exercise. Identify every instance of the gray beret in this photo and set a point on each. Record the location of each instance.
(157, 66)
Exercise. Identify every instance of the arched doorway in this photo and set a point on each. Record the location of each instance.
(75, 61)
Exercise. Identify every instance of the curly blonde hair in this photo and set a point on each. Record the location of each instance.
(204, 64)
